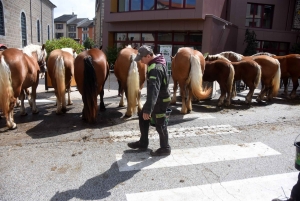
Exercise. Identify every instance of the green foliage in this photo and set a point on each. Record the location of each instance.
(88, 43)
(250, 39)
(112, 54)
(63, 43)
(295, 49)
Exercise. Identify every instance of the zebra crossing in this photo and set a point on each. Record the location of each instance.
(263, 188)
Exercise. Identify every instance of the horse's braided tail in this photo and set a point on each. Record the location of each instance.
(276, 79)
(59, 72)
(89, 95)
(6, 90)
(195, 79)
(133, 84)
(258, 75)
(230, 78)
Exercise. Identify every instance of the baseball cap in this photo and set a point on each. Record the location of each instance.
(143, 51)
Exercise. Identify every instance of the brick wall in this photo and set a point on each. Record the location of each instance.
(39, 10)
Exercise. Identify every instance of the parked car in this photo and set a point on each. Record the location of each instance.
(2, 47)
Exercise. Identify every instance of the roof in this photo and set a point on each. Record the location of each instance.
(50, 3)
(64, 18)
(78, 20)
(89, 23)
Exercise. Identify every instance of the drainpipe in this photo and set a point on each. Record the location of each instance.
(42, 22)
(30, 22)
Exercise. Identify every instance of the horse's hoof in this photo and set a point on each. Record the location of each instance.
(13, 127)
(64, 110)
(127, 115)
(35, 112)
(24, 114)
(70, 103)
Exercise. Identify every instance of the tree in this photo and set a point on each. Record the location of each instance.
(295, 49)
(88, 43)
(112, 54)
(250, 39)
(63, 43)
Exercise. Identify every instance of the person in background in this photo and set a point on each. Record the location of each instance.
(158, 100)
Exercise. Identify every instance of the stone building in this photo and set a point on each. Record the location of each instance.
(26, 22)
(98, 21)
(207, 25)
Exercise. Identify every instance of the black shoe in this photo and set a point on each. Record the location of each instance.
(137, 145)
(161, 152)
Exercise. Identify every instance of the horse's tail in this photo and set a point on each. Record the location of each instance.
(258, 75)
(133, 84)
(230, 78)
(59, 73)
(195, 79)
(276, 80)
(89, 95)
(6, 90)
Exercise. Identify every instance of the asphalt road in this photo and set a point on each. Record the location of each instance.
(215, 153)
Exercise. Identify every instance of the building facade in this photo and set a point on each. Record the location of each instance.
(98, 22)
(210, 26)
(26, 22)
(86, 30)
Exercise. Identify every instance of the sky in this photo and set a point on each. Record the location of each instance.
(81, 8)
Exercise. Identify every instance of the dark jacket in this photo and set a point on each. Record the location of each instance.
(157, 83)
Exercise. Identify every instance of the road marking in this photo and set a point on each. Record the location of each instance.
(258, 188)
(183, 157)
(41, 101)
(175, 132)
(197, 116)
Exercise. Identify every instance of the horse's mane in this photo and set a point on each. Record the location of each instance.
(29, 49)
(263, 53)
(216, 57)
(228, 54)
(128, 46)
(70, 50)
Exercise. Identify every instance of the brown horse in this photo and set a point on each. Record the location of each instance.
(132, 76)
(187, 70)
(91, 71)
(20, 70)
(247, 70)
(223, 72)
(60, 65)
(290, 67)
(270, 73)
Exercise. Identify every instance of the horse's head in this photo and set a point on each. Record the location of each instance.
(39, 53)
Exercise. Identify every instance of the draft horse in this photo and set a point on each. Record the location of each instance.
(221, 71)
(187, 70)
(270, 73)
(91, 70)
(20, 70)
(60, 65)
(131, 75)
(247, 70)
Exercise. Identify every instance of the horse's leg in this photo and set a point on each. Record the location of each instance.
(295, 86)
(58, 102)
(228, 92)
(70, 102)
(21, 98)
(102, 106)
(248, 98)
(121, 104)
(285, 85)
(189, 100)
(10, 115)
(223, 94)
(173, 101)
(33, 99)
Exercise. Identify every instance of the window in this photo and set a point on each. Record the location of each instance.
(84, 36)
(2, 29)
(137, 5)
(23, 29)
(72, 35)
(59, 26)
(85, 29)
(155, 39)
(259, 16)
(59, 35)
(72, 28)
(273, 47)
(38, 31)
(48, 32)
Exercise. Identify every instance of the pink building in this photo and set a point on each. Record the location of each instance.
(207, 25)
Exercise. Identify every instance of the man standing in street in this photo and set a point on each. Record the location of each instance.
(158, 100)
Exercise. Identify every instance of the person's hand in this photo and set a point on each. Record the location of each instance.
(146, 116)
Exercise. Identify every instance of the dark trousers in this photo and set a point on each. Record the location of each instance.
(295, 194)
(159, 118)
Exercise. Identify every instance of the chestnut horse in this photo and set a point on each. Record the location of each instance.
(91, 71)
(20, 70)
(187, 70)
(247, 70)
(60, 65)
(223, 72)
(270, 73)
(132, 76)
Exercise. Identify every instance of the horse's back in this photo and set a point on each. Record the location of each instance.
(122, 63)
